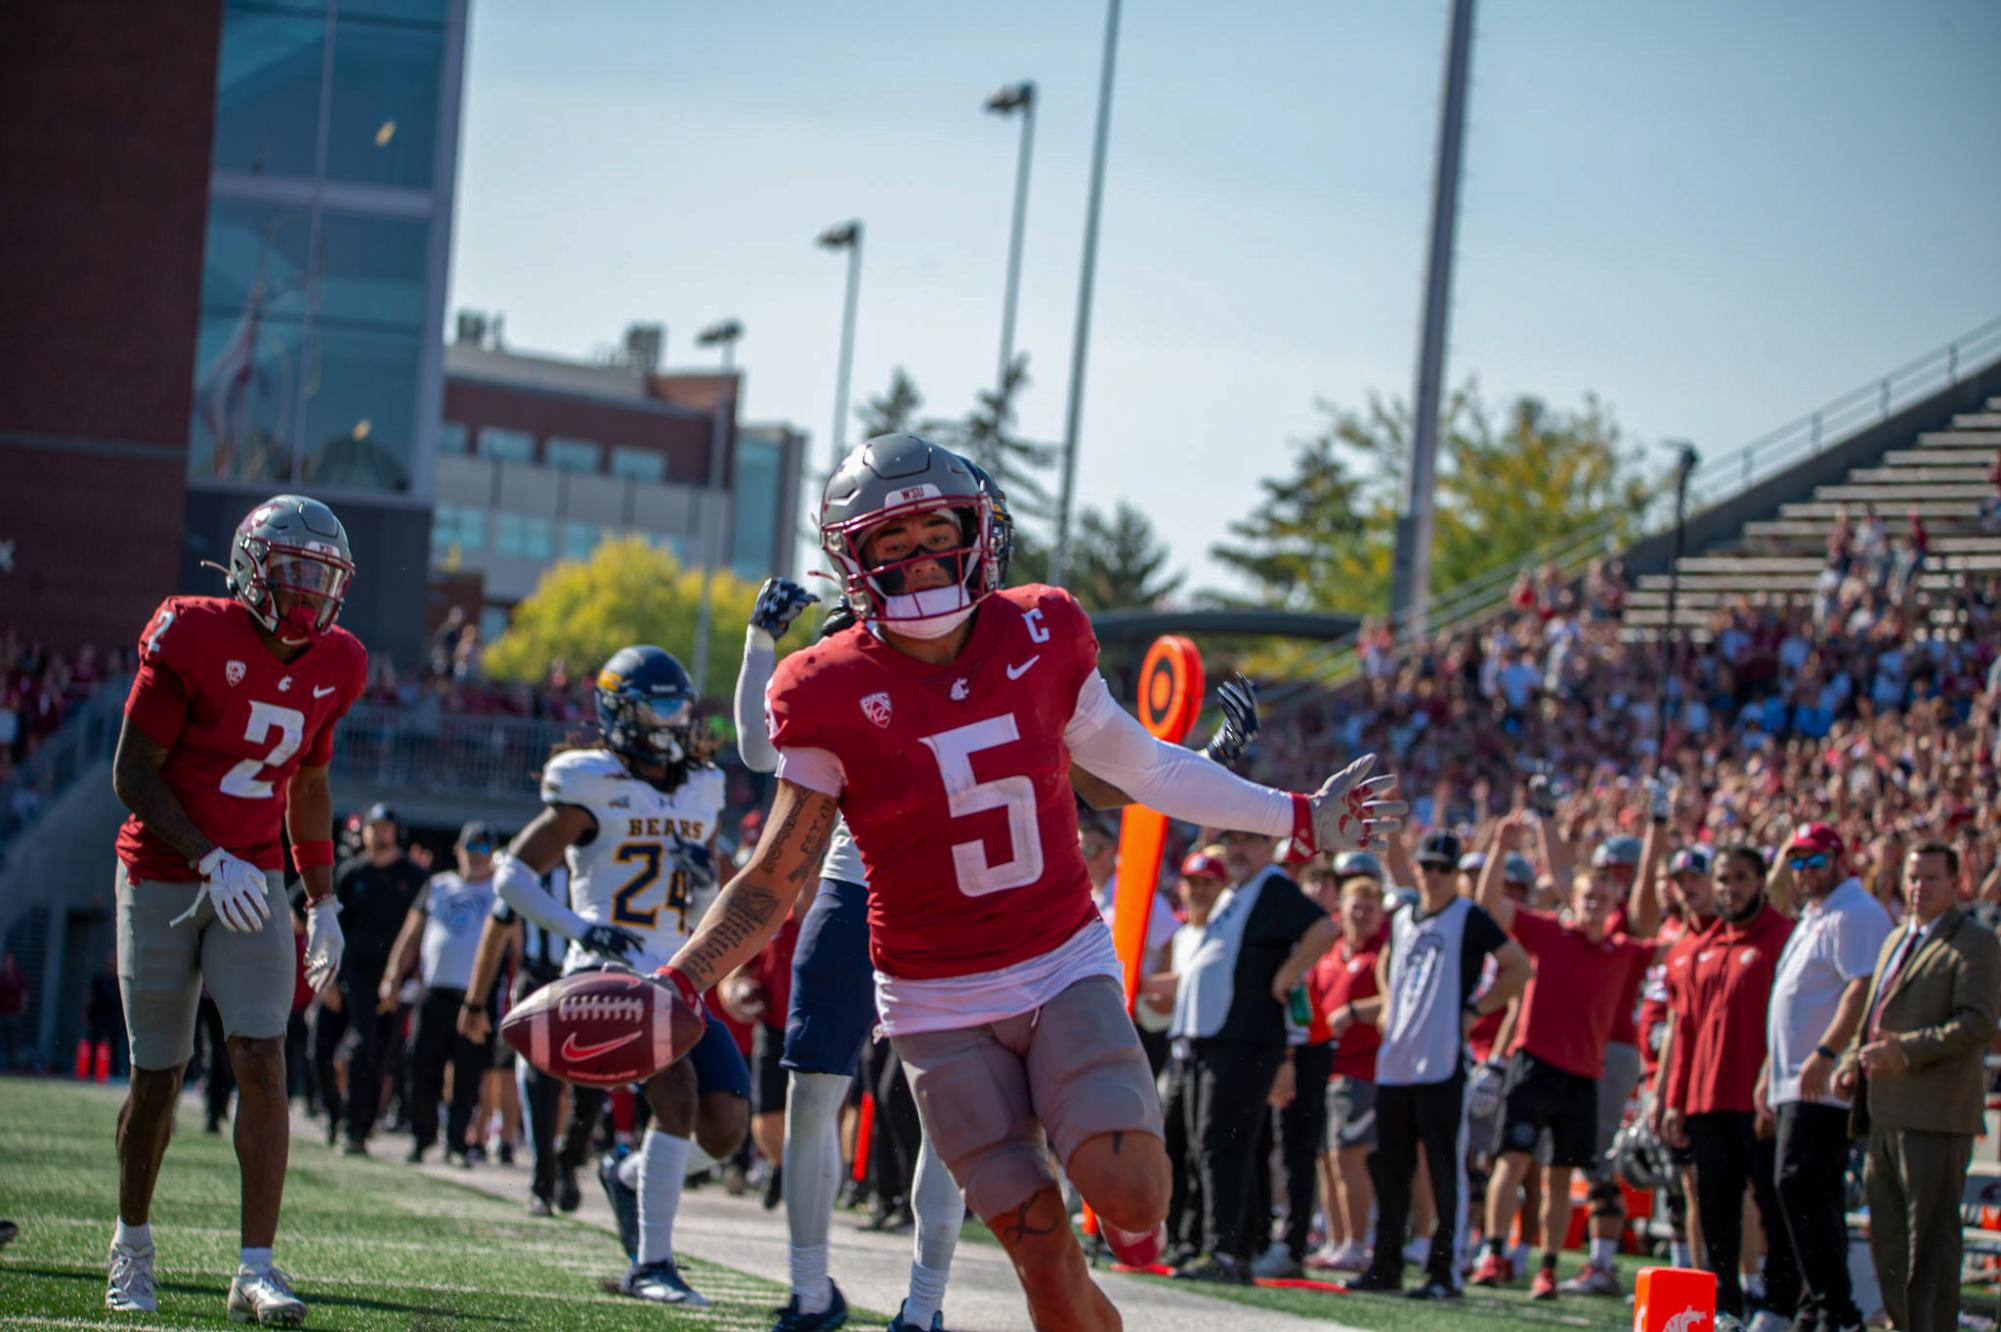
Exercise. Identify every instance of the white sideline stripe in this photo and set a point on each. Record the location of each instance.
(110, 1320)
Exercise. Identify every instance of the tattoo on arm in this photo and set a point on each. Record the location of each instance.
(135, 774)
(738, 917)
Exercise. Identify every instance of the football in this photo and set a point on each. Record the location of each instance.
(602, 1028)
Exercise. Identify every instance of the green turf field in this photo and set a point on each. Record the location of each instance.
(368, 1244)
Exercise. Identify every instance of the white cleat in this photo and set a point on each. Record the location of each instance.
(129, 1287)
(265, 1298)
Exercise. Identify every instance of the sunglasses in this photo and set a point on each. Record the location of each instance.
(1438, 866)
(479, 848)
(1818, 860)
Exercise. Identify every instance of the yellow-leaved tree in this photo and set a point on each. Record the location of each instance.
(629, 592)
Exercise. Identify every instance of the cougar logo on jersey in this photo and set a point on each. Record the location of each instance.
(1688, 1320)
(876, 708)
(233, 672)
(960, 690)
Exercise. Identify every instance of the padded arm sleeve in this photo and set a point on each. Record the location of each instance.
(522, 890)
(1111, 744)
(753, 739)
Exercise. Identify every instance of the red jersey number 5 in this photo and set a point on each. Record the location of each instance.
(954, 750)
(242, 780)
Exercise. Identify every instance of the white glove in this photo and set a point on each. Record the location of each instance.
(1660, 796)
(1350, 813)
(324, 943)
(1483, 1092)
(237, 889)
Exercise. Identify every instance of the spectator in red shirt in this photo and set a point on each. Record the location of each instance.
(1691, 897)
(1720, 1000)
(1582, 970)
(1342, 986)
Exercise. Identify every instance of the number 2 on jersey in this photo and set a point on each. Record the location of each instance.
(647, 856)
(954, 750)
(242, 780)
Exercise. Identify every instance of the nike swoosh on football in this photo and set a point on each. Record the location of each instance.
(571, 1050)
(321, 691)
(1016, 672)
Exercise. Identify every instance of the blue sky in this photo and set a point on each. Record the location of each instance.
(1715, 215)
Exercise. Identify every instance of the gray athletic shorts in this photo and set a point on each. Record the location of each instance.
(162, 968)
(1615, 1091)
(1071, 1069)
(1351, 1113)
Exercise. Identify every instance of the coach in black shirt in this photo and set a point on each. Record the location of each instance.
(1231, 1007)
(374, 890)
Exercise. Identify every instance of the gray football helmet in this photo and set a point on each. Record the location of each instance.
(898, 476)
(294, 544)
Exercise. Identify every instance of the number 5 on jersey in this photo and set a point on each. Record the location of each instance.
(954, 750)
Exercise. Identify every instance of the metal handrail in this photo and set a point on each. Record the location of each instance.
(88, 734)
(1715, 481)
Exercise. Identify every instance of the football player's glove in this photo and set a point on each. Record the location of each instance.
(236, 888)
(610, 941)
(324, 943)
(779, 603)
(1353, 811)
(692, 859)
(1238, 698)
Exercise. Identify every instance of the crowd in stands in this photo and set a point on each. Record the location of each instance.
(38, 689)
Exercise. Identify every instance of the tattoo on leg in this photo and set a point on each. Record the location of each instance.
(1022, 1224)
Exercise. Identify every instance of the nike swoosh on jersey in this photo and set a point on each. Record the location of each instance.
(571, 1050)
(321, 691)
(1016, 672)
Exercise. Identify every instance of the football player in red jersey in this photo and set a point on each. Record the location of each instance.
(228, 731)
(944, 726)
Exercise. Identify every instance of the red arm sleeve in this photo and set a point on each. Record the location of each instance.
(158, 702)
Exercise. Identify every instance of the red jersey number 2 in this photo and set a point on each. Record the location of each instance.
(242, 780)
(954, 750)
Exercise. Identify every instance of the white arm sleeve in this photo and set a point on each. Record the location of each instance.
(521, 889)
(815, 769)
(1109, 743)
(753, 741)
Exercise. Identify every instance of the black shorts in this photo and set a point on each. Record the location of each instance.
(1539, 1095)
(767, 1073)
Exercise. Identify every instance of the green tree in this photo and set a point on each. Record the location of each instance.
(1510, 480)
(987, 435)
(1117, 564)
(627, 592)
(893, 410)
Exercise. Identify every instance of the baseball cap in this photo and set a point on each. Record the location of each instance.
(1516, 869)
(1437, 848)
(1203, 862)
(1350, 863)
(381, 813)
(476, 832)
(1691, 860)
(1621, 850)
(1816, 837)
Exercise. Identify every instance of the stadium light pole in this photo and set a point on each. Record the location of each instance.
(1073, 412)
(722, 334)
(844, 236)
(1005, 102)
(1410, 570)
(1686, 459)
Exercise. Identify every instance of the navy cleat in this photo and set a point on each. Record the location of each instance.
(897, 1324)
(833, 1316)
(660, 1282)
(624, 1205)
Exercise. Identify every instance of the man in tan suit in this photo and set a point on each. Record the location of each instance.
(1914, 1072)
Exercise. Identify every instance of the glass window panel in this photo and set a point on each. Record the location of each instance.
(372, 269)
(246, 393)
(407, 11)
(460, 526)
(492, 623)
(754, 506)
(382, 127)
(524, 535)
(506, 445)
(580, 539)
(638, 464)
(451, 438)
(361, 409)
(571, 455)
(267, 92)
(254, 253)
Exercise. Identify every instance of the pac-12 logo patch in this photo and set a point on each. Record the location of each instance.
(233, 672)
(876, 708)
